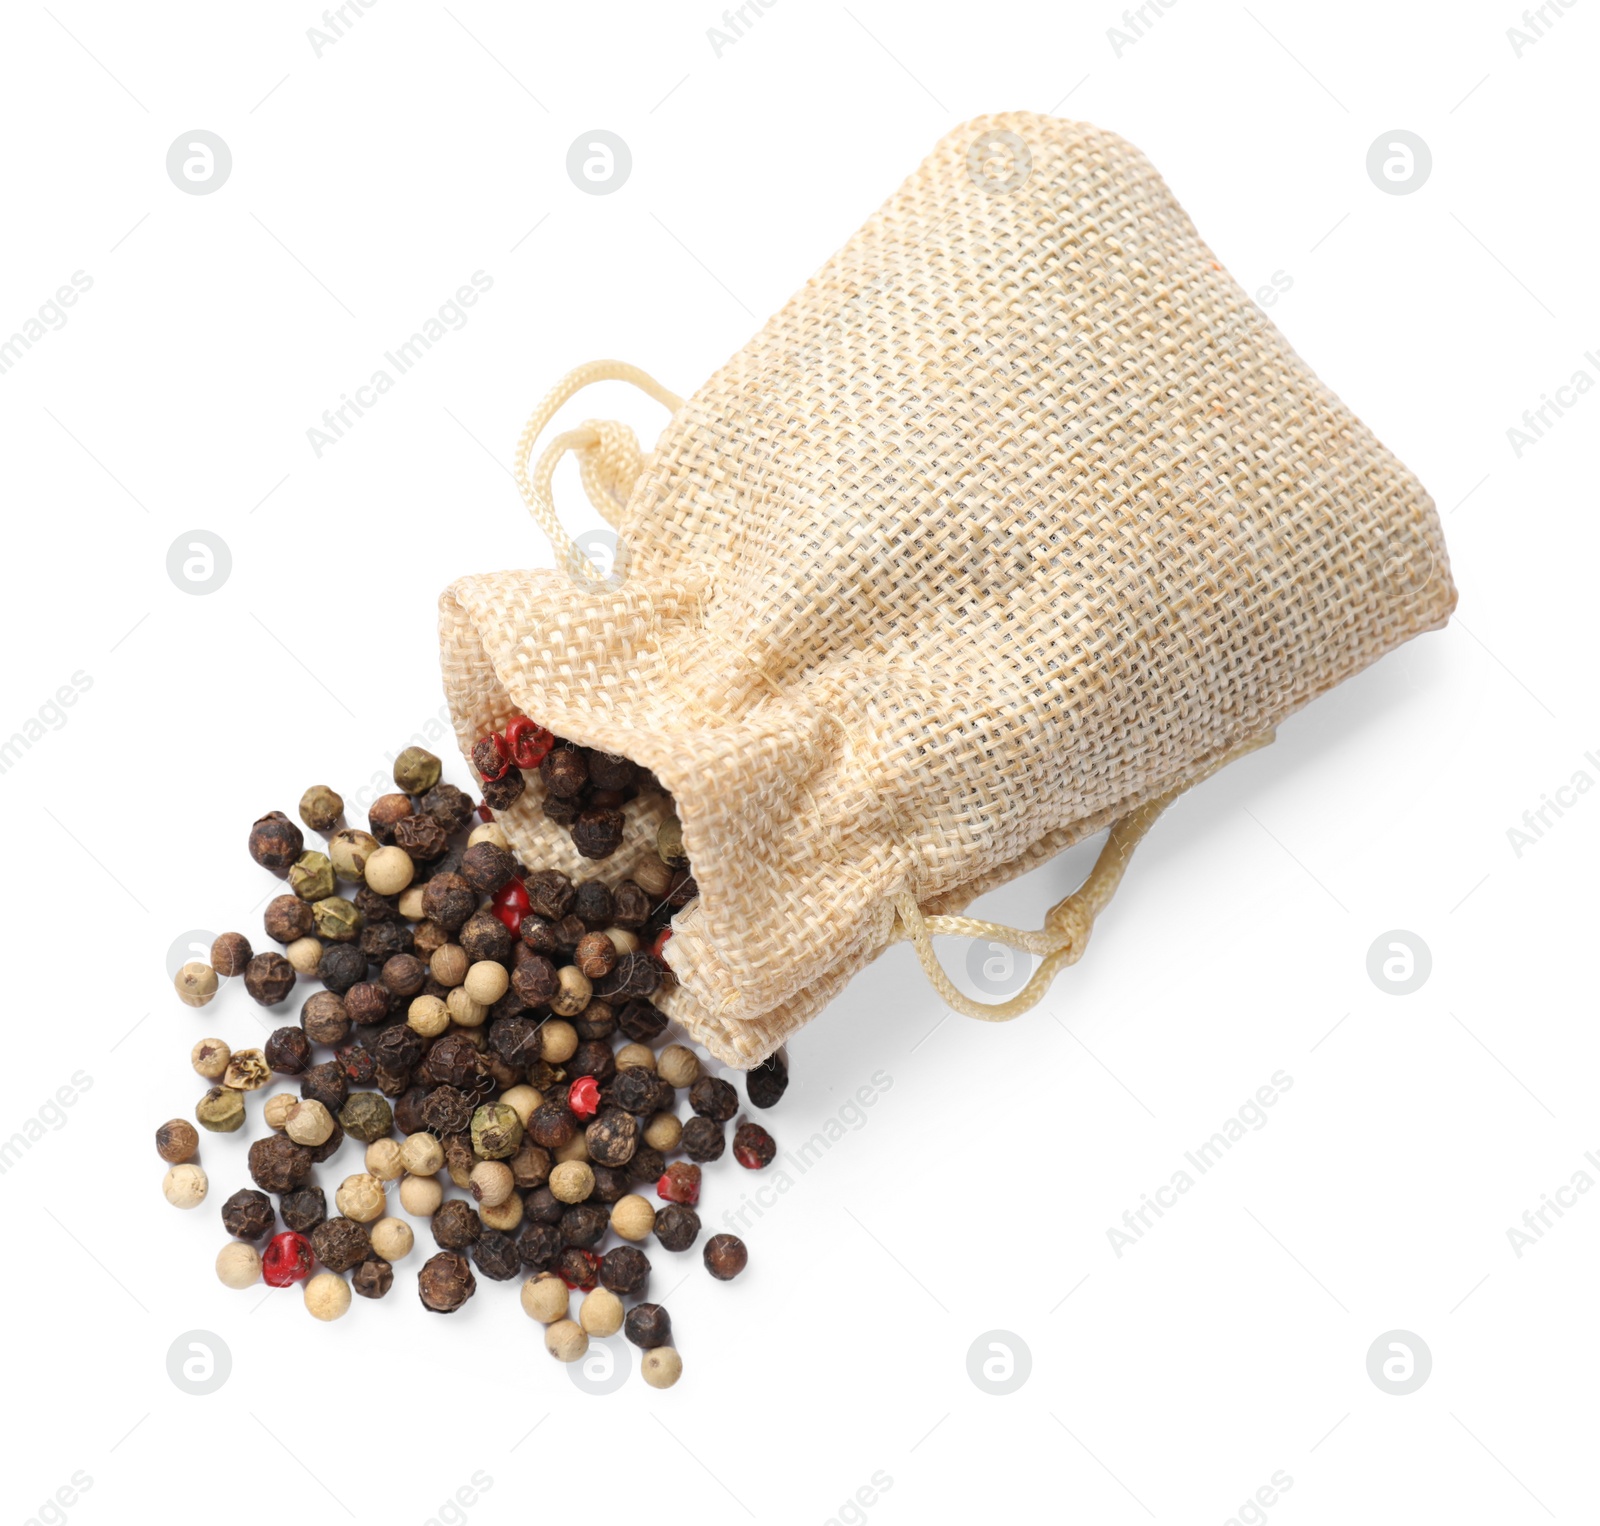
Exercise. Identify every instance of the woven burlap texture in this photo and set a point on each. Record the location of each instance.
(1017, 517)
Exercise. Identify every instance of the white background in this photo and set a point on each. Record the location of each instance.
(1229, 1343)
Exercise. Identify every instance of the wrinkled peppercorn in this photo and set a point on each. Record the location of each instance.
(275, 842)
(714, 1098)
(630, 906)
(375, 908)
(679, 1183)
(610, 1183)
(538, 1245)
(535, 980)
(449, 806)
(447, 1111)
(584, 1225)
(386, 812)
(341, 966)
(278, 1164)
(648, 1325)
(495, 1255)
(403, 975)
(458, 1158)
(399, 1048)
(597, 1021)
(448, 900)
(269, 978)
(543, 1206)
(562, 812)
(624, 1270)
(408, 1110)
(753, 1147)
(598, 833)
(485, 866)
(453, 1060)
(641, 1021)
(367, 1117)
(367, 1003)
(677, 1226)
(613, 1137)
(703, 1140)
(496, 1131)
(725, 1257)
(516, 1040)
(646, 1166)
(635, 1090)
(337, 920)
(552, 1125)
(325, 1083)
(324, 1018)
(373, 1278)
(303, 1209)
(311, 878)
(321, 808)
(383, 940)
(484, 936)
(248, 1215)
(357, 1063)
(550, 894)
(455, 1226)
(579, 1269)
(593, 1058)
(565, 772)
(287, 1051)
(422, 837)
(445, 1282)
(287, 917)
(341, 1243)
(530, 1166)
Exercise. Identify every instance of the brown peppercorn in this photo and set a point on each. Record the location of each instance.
(455, 1226)
(624, 1270)
(553, 1124)
(230, 953)
(630, 906)
(177, 1141)
(677, 1226)
(501, 794)
(453, 1060)
(550, 894)
(597, 834)
(597, 1021)
(287, 918)
(516, 1040)
(495, 1255)
(287, 1051)
(683, 890)
(636, 1090)
(610, 1182)
(543, 1206)
(367, 1117)
(325, 1018)
(714, 1098)
(753, 1147)
(311, 876)
(703, 1140)
(565, 772)
(562, 812)
(445, 1282)
(422, 838)
(535, 980)
(486, 867)
(358, 1063)
(613, 1137)
(635, 976)
(654, 878)
(725, 1257)
(247, 1071)
(447, 1111)
(428, 936)
(303, 1209)
(373, 1278)
(384, 940)
(449, 806)
(530, 1166)
(448, 900)
(326, 1083)
(403, 975)
(646, 1166)
(275, 842)
(648, 1326)
(593, 1058)
(641, 1021)
(248, 1215)
(610, 772)
(485, 937)
(584, 1225)
(341, 1243)
(386, 811)
(376, 908)
(269, 978)
(221, 1110)
(321, 808)
(341, 966)
(596, 955)
(367, 1003)
(278, 1164)
(538, 1245)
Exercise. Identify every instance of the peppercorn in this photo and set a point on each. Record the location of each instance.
(566, 1341)
(679, 1183)
(361, 1197)
(636, 975)
(427, 1016)
(177, 1141)
(678, 1066)
(530, 1166)
(597, 1021)
(399, 1048)
(304, 954)
(595, 956)
(564, 772)
(311, 879)
(682, 890)
(325, 1083)
(491, 1182)
(449, 806)
(593, 1058)
(455, 1226)
(221, 1110)
(230, 953)
(654, 878)
(578, 1268)
(669, 843)
(576, 1148)
(597, 834)
(663, 1132)
(422, 1154)
(421, 1195)
(337, 920)
(703, 1140)
(486, 866)
(550, 894)
(329, 1147)
(247, 1070)
(309, 1123)
(661, 1368)
(341, 1243)
(553, 1124)
(367, 1003)
(389, 871)
(496, 1131)
(195, 983)
(535, 980)
(454, 1060)
(646, 1166)
(613, 1137)
(382, 1160)
(238, 1265)
(383, 940)
(447, 1111)
(449, 965)
(639, 1019)
(321, 808)
(278, 1164)
(624, 1270)
(648, 1325)
(350, 848)
(572, 1181)
(630, 906)
(287, 1051)
(504, 1217)
(416, 771)
(714, 1098)
(385, 812)
(633, 1088)
(391, 1239)
(403, 974)
(287, 1259)
(184, 1186)
(276, 1109)
(275, 842)
(448, 900)
(367, 1117)
(600, 1314)
(495, 1255)
(545, 1298)
(583, 1225)
(410, 1097)
(340, 967)
(210, 1058)
(501, 794)
(538, 1245)
(248, 1214)
(543, 1206)
(421, 838)
(753, 1147)
(269, 978)
(303, 1209)
(725, 1257)
(373, 1278)
(445, 1282)
(677, 1226)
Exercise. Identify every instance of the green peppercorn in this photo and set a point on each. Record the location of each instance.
(496, 1131)
(221, 1110)
(321, 808)
(367, 1117)
(416, 771)
(337, 919)
(669, 843)
(311, 878)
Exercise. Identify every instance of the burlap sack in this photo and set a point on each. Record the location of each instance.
(1016, 521)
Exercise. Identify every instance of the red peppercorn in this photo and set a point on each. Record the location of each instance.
(491, 757)
(511, 904)
(583, 1096)
(287, 1260)
(484, 813)
(572, 1260)
(753, 1147)
(662, 939)
(527, 742)
(679, 1183)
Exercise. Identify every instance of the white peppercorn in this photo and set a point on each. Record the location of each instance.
(632, 1217)
(305, 954)
(504, 1216)
(210, 1058)
(522, 1100)
(664, 1132)
(383, 1160)
(489, 831)
(195, 983)
(361, 1197)
(327, 1296)
(410, 904)
(464, 1011)
(422, 1155)
(624, 941)
(573, 993)
(600, 1313)
(389, 871)
(545, 1298)
(428, 1016)
(487, 981)
(392, 1239)
(636, 1057)
(449, 964)
(421, 1195)
(678, 1066)
(309, 1123)
(661, 1367)
(565, 1340)
(572, 1181)
(238, 1265)
(184, 1186)
(491, 1182)
(559, 1042)
(275, 1114)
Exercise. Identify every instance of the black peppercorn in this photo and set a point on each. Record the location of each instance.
(366, 1003)
(287, 917)
(324, 1018)
(550, 894)
(765, 1083)
(423, 837)
(624, 1270)
(458, 1158)
(399, 1047)
(579, 1269)
(534, 979)
(502, 794)
(383, 940)
(455, 1225)
(341, 1243)
(408, 1110)
(591, 901)
(648, 1325)
(683, 891)
(598, 833)
(565, 772)
(495, 1255)
(486, 867)
(539, 934)
(375, 908)
(269, 978)
(703, 1140)
(287, 1051)
(248, 1215)
(677, 1226)
(569, 932)
(448, 900)
(449, 806)
(341, 966)
(278, 1164)
(641, 1021)
(453, 1060)
(633, 1089)
(538, 1245)
(584, 1225)
(516, 1040)
(230, 953)
(530, 1166)
(325, 1083)
(597, 1021)
(630, 906)
(552, 1125)
(562, 812)
(303, 1209)
(367, 1117)
(373, 1278)
(386, 813)
(446, 1282)
(593, 1058)
(484, 936)
(607, 771)
(646, 1166)
(357, 1062)
(403, 975)
(726, 1257)
(275, 842)
(447, 1111)
(636, 976)
(714, 1098)
(613, 1137)
(543, 1206)
(753, 1147)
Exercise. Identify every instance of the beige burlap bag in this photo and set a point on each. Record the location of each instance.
(1018, 520)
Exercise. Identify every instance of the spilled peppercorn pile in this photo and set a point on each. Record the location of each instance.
(467, 1015)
